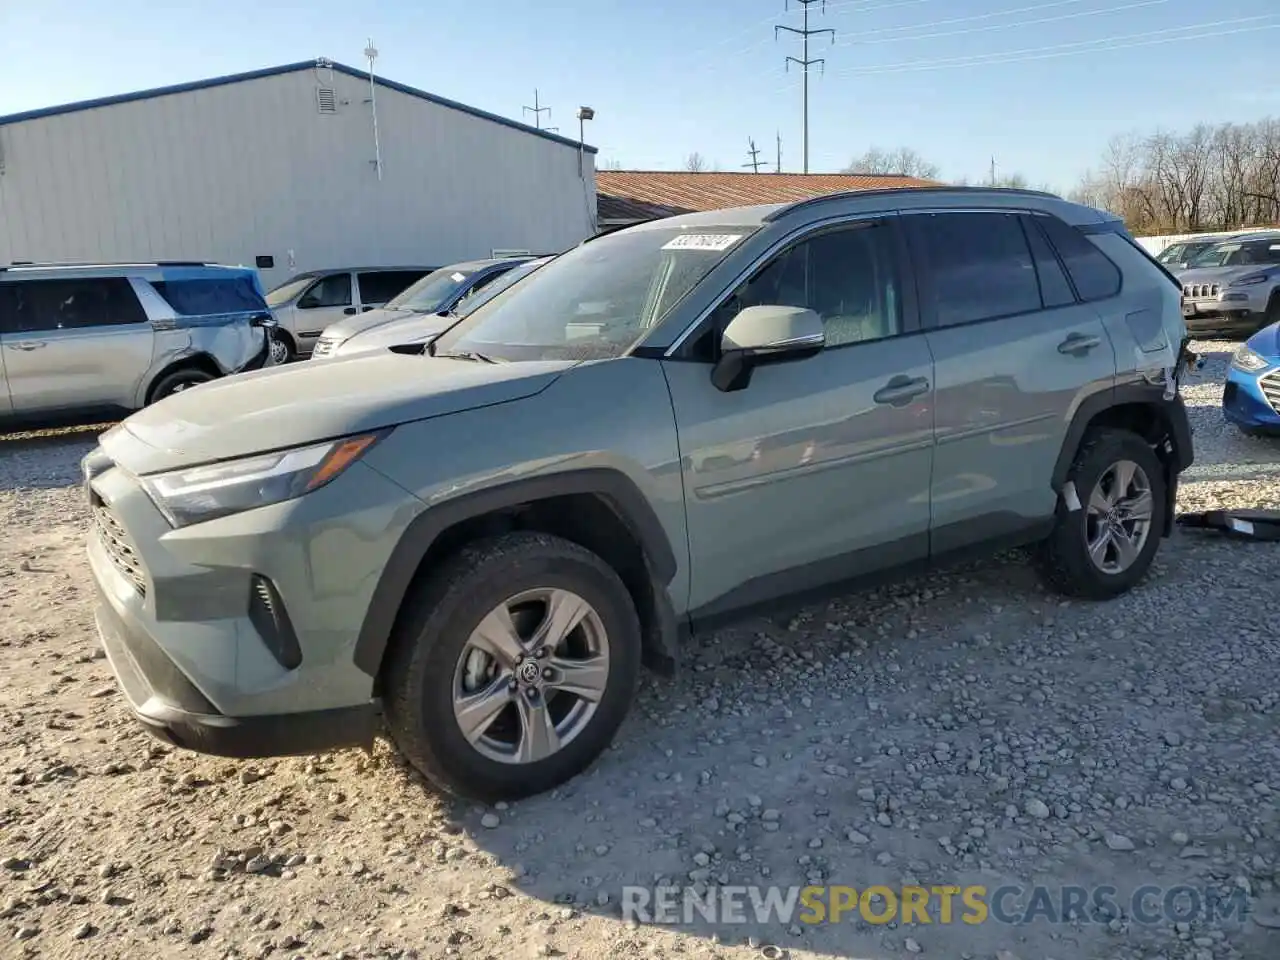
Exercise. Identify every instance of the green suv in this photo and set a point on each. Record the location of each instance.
(475, 545)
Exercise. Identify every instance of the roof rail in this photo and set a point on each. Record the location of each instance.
(895, 191)
(33, 264)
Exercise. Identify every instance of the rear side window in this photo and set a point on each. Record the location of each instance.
(199, 298)
(979, 265)
(379, 286)
(1055, 289)
(33, 306)
(1095, 277)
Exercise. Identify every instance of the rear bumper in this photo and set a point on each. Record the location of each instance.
(171, 709)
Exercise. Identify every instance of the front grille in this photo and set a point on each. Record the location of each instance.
(1201, 289)
(119, 547)
(1270, 386)
(324, 347)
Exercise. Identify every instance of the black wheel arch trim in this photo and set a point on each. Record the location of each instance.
(618, 490)
(1179, 455)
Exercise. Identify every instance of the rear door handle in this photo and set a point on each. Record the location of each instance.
(1078, 344)
(901, 390)
(27, 345)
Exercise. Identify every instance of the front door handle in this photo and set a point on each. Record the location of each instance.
(901, 390)
(27, 345)
(1078, 344)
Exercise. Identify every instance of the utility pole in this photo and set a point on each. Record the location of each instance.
(778, 168)
(754, 164)
(537, 111)
(804, 34)
(993, 171)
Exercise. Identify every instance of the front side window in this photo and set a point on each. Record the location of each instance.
(333, 291)
(979, 264)
(33, 306)
(195, 298)
(847, 276)
(596, 300)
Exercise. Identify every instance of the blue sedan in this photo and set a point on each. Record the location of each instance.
(1252, 394)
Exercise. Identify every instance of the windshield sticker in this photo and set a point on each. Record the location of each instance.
(458, 277)
(713, 242)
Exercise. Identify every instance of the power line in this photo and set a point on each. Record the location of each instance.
(537, 112)
(1121, 42)
(997, 26)
(804, 34)
(754, 163)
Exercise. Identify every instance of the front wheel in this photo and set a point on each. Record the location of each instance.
(281, 347)
(179, 381)
(513, 668)
(1104, 548)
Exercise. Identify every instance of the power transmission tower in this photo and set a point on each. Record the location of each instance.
(754, 163)
(537, 112)
(804, 34)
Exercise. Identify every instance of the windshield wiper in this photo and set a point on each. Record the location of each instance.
(466, 355)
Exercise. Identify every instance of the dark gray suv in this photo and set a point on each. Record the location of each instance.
(474, 545)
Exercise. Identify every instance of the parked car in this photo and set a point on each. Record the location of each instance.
(1251, 396)
(79, 338)
(1233, 287)
(476, 548)
(437, 293)
(1177, 255)
(419, 328)
(308, 302)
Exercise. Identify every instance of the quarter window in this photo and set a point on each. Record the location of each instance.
(32, 306)
(979, 264)
(847, 276)
(332, 291)
(1095, 277)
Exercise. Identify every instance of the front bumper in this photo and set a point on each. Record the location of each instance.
(236, 637)
(1228, 312)
(1248, 400)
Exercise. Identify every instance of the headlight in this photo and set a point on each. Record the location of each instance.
(197, 494)
(1248, 361)
(1249, 280)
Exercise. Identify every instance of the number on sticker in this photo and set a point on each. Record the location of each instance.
(714, 242)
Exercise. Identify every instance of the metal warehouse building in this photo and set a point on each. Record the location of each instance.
(299, 167)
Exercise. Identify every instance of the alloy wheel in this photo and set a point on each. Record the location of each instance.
(531, 676)
(1118, 517)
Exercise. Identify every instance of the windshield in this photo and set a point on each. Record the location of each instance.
(289, 289)
(432, 292)
(1220, 255)
(479, 296)
(1174, 252)
(595, 301)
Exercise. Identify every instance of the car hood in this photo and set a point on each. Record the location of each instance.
(307, 402)
(1266, 343)
(1217, 274)
(412, 329)
(350, 326)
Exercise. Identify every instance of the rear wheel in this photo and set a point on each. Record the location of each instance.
(513, 668)
(1103, 549)
(179, 381)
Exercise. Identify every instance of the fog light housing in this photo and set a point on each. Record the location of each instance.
(270, 618)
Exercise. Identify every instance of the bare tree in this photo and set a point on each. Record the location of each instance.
(903, 160)
(695, 163)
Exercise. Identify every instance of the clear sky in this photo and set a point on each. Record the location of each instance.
(1040, 84)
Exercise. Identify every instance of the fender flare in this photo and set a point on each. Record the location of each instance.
(402, 566)
(1178, 455)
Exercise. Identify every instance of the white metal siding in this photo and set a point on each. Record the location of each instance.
(231, 172)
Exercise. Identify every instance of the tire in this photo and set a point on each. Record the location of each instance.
(178, 381)
(432, 649)
(1064, 558)
(282, 348)
(1273, 310)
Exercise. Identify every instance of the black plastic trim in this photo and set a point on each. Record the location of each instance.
(276, 735)
(629, 503)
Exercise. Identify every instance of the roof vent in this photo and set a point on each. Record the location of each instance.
(326, 100)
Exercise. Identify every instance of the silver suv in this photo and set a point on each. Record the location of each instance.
(1233, 286)
(474, 545)
(80, 338)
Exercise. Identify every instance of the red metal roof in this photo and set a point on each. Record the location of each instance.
(645, 194)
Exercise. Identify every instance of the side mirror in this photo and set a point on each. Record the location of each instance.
(763, 335)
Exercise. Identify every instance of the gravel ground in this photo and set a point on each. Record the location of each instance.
(963, 729)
